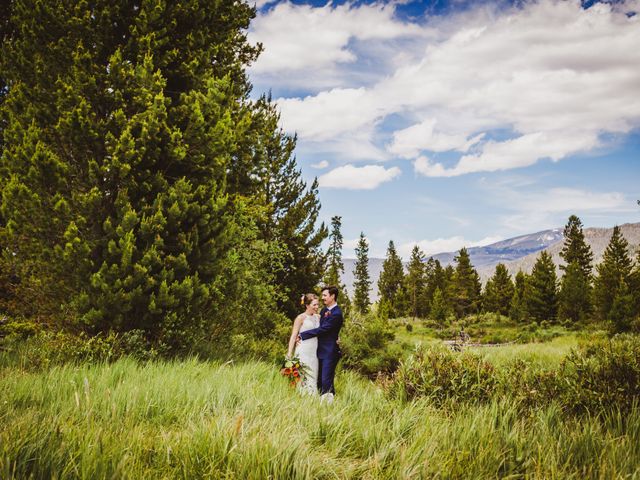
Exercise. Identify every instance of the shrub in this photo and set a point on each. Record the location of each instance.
(44, 349)
(603, 374)
(443, 376)
(367, 345)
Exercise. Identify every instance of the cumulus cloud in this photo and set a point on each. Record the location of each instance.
(440, 245)
(409, 142)
(310, 43)
(358, 178)
(554, 76)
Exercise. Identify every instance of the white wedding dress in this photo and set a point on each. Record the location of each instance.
(307, 352)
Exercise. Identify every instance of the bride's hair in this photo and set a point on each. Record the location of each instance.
(307, 298)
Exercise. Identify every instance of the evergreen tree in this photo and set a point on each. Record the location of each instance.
(499, 291)
(573, 298)
(518, 306)
(264, 172)
(575, 304)
(390, 281)
(334, 263)
(575, 248)
(362, 281)
(439, 308)
(414, 283)
(435, 278)
(126, 172)
(612, 272)
(634, 285)
(541, 292)
(466, 287)
(621, 312)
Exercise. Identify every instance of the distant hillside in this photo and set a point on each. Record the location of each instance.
(597, 238)
(518, 253)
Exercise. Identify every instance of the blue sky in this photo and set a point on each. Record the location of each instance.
(446, 124)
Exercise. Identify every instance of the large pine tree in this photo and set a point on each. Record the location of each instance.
(264, 172)
(127, 127)
(362, 280)
(390, 281)
(541, 292)
(465, 290)
(612, 272)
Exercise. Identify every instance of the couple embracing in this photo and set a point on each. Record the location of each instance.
(315, 338)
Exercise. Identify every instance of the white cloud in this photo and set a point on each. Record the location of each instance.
(408, 143)
(440, 245)
(320, 165)
(555, 75)
(311, 43)
(548, 208)
(349, 177)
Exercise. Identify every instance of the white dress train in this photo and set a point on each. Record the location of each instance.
(307, 352)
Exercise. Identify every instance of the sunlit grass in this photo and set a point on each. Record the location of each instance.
(194, 419)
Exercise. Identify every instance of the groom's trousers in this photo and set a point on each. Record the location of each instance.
(326, 374)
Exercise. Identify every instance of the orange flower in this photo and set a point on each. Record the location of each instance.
(296, 373)
(286, 371)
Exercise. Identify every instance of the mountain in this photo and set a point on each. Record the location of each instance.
(518, 253)
(597, 238)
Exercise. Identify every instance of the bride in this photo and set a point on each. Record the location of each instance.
(307, 350)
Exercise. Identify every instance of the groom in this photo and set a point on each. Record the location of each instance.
(328, 351)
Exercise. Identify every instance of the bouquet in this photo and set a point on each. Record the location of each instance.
(293, 369)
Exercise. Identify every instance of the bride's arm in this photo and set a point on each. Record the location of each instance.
(297, 323)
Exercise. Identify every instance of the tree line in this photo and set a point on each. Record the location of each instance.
(609, 292)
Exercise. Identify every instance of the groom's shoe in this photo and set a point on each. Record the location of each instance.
(326, 398)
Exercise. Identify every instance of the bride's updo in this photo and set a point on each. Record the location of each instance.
(307, 298)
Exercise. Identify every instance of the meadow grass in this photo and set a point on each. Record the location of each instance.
(539, 355)
(195, 419)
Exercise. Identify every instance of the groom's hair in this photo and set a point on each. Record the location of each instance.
(332, 291)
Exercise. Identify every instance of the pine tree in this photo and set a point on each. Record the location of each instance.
(541, 292)
(362, 281)
(414, 283)
(612, 272)
(634, 285)
(575, 248)
(518, 307)
(390, 281)
(334, 264)
(439, 308)
(466, 287)
(573, 299)
(621, 311)
(120, 181)
(264, 171)
(575, 304)
(499, 291)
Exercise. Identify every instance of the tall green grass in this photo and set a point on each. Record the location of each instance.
(193, 419)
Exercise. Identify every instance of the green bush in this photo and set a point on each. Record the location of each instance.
(603, 374)
(367, 345)
(443, 376)
(44, 349)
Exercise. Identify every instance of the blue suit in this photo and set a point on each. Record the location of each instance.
(328, 351)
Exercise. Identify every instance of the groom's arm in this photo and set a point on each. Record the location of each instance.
(334, 322)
